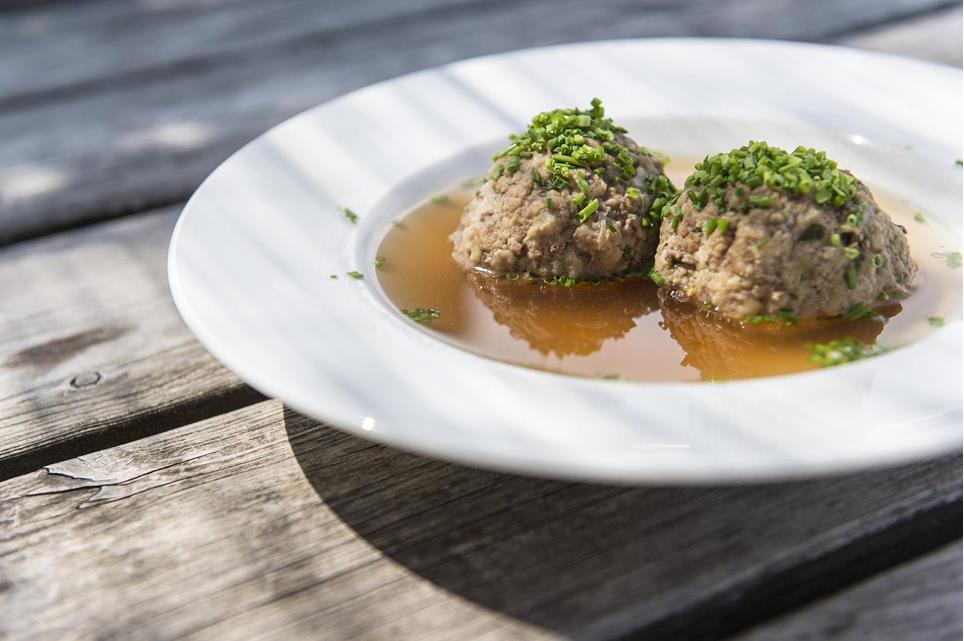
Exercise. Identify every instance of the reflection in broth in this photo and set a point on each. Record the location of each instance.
(622, 328)
(564, 321)
(721, 350)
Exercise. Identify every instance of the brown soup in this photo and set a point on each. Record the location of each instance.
(625, 329)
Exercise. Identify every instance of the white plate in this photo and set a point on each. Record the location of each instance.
(251, 255)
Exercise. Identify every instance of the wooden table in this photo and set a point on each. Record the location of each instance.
(147, 493)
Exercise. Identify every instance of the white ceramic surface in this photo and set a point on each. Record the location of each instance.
(251, 255)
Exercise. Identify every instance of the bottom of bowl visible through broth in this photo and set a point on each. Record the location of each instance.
(627, 329)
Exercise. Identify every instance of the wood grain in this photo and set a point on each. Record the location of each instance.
(92, 351)
(918, 600)
(264, 524)
(89, 134)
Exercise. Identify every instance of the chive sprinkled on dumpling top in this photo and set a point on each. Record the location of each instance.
(572, 196)
(762, 232)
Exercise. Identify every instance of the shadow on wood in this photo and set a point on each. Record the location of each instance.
(593, 561)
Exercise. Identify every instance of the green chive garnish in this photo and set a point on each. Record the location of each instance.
(951, 259)
(422, 315)
(588, 210)
(710, 225)
(919, 217)
(379, 262)
(841, 351)
(350, 216)
(936, 321)
(355, 275)
(860, 310)
(763, 242)
(851, 277)
(762, 201)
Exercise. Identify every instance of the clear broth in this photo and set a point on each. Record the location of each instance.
(625, 329)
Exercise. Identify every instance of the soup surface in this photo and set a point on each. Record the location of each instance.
(627, 329)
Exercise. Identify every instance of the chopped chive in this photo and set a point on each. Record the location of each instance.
(951, 259)
(512, 165)
(919, 217)
(350, 216)
(559, 281)
(852, 253)
(722, 224)
(878, 260)
(588, 210)
(762, 201)
(632, 193)
(835, 240)
(422, 315)
(579, 199)
(851, 277)
(763, 242)
(936, 321)
(536, 176)
(333, 276)
(440, 199)
(838, 352)
(549, 203)
(496, 172)
(677, 217)
(959, 162)
(379, 262)
(512, 276)
(569, 160)
(860, 310)
(583, 185)
(656, 277)
(710, 225)
(355, 275)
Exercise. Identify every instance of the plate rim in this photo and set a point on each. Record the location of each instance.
(198, 328)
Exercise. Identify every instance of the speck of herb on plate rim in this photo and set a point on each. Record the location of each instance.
(349, 215)
(355, 275)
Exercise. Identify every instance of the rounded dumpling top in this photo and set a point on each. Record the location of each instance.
(572, 196)
(762, 233)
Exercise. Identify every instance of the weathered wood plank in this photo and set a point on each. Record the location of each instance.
(77, 45)
(92, 351)
(262, 523)
(137, 131)
(918, 600)
(934, 36)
